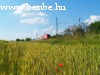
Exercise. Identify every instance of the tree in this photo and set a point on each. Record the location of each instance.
(79, 31)
(28, 39)
(18, 39)
(22, 39)
(95, 27)
(67, 31)
(74, 30)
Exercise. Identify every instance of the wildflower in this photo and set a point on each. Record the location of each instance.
(60, 64)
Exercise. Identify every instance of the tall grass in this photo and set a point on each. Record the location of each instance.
(78, 57)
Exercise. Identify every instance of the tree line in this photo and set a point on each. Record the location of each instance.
(82, 29)
(27, 39)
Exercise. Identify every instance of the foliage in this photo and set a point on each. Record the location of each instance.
(74, 30)
(67, 31)
(95, 27)
(19, 39)
(79, 31)
(28, 39)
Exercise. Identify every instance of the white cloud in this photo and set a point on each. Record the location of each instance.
(42, 14)
(23, 10)
(51, 30)
(35, 31)
(92, 19)
(34, 14)
(23, 35)
(31, 17)
(25, 14)
(48, 29)
(37, 20)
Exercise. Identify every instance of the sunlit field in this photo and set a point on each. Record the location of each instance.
(50, 57)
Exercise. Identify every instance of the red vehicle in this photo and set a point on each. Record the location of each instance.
(46, 36)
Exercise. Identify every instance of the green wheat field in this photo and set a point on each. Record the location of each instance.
(61, 56)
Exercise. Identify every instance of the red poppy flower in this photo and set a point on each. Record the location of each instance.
(60, 65)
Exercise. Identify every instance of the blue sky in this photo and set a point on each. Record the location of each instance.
(21, 24)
